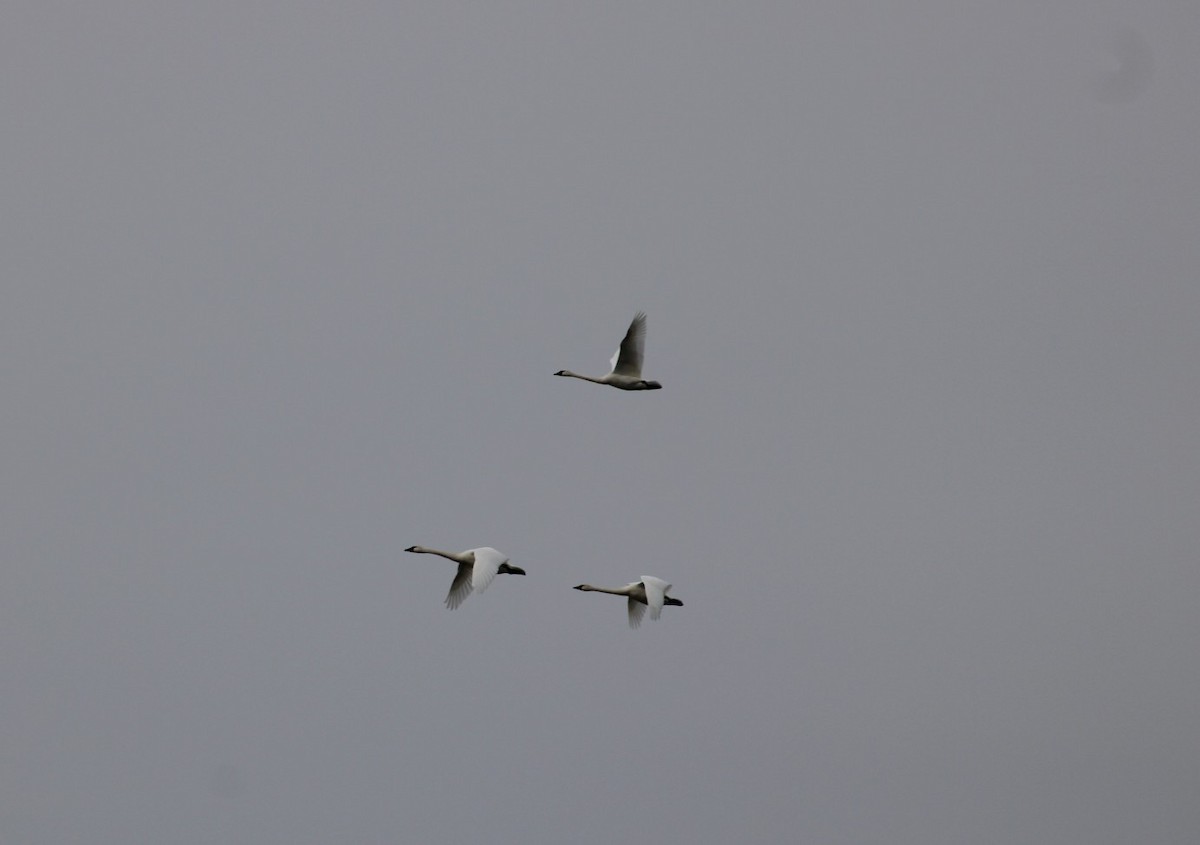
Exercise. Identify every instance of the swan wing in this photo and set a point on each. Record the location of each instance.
(656, 592)
(636, 611)
(460, 588)
(628, 359)
(487, 564)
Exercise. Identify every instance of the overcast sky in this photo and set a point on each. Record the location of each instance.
(283, 287)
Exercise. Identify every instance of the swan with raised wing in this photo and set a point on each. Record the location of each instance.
(627, 362)
(649, 592)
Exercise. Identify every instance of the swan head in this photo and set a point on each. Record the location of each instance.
(581, 587)
(671, 601)
(413, 549)
(645, 384)
(564, 373)
(511, 570)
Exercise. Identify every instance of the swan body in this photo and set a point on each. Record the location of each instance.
(649, 592)
(627, 362)
(476, 569)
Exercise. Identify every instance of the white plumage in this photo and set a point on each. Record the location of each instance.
(626, 363)
(649, 592)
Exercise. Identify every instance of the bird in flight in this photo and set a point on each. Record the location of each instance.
(649, 592)
(627, 362)
(476, 569)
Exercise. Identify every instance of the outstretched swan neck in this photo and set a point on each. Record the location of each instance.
(570, 374)
(588, 588)
(465, 557)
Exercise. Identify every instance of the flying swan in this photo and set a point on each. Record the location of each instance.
(649, 592)
(476, 569)
(626, 362)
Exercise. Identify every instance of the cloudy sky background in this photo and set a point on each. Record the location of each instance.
(283, 288)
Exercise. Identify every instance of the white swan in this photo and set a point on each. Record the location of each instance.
(649, 592)
(476, 569)
(627, 362)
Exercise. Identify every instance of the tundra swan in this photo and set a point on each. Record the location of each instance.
(626, 362)
(476, 569)
(649, 592)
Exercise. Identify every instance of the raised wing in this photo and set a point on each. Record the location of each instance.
(656, 591)
(460, 588)
(628, 359)
(636, 611)
(487, 564)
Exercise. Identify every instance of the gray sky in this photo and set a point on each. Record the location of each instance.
(284, 287)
